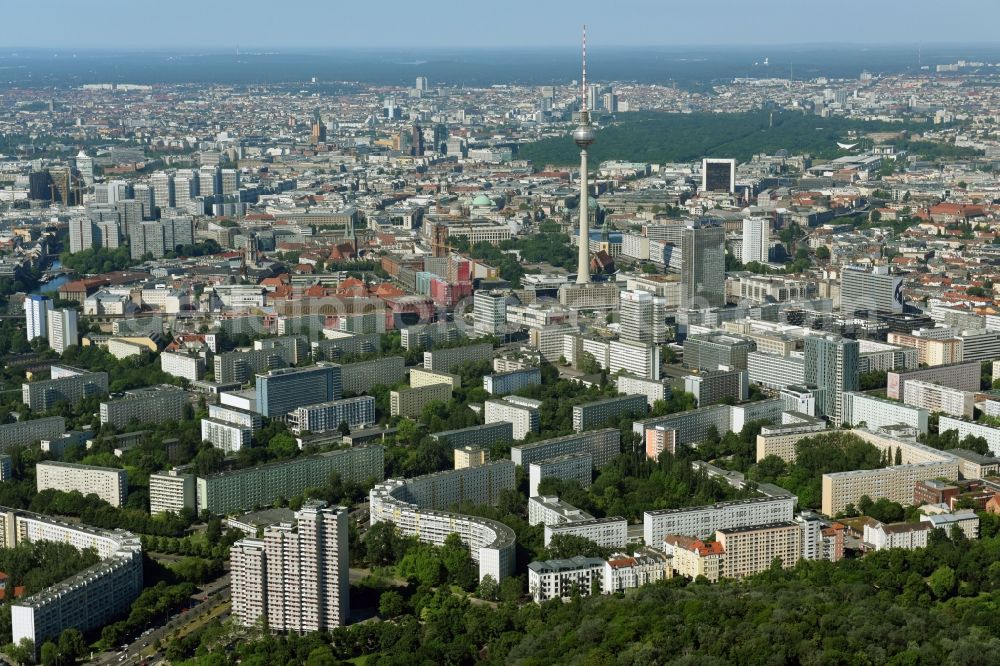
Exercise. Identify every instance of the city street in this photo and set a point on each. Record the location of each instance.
(215, 604)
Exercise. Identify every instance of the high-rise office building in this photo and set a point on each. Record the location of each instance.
(417, 139)
(756, 239)
(489, 312)
(62, 329)
(281, 391)
(317, 132)
(643, 317)
(593, 92)
(832, 364)
(61, 184)
(112, 192)
(36, 314)
(867, 292)
(703, 267)
(85, 165)
(718, 175)
(422, 84)
(390, 109)
(297, 576)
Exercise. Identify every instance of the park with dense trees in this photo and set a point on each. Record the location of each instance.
(929, 606)
(688, 137)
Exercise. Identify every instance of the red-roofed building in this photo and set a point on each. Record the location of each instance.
(694, 557)
(272, 283)
(953, 212)
(16, 593)
(624, 572)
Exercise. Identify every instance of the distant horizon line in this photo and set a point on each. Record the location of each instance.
(8, 49)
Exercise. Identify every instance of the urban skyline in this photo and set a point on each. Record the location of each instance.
(367, 355)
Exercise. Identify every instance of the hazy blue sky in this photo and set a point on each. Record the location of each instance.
(380, 23)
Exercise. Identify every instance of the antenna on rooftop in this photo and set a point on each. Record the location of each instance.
(584, 68)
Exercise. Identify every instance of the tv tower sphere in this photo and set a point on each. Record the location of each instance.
(584, 134)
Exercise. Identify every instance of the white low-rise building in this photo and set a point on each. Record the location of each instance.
(187, 366)
(874, 413)
(521, 412)
(558, 579)
(577, 467)
(965, 519)
(908, 536)
(172, 491)
(704, 521)
(653, 389)
(550, 510)
(608, 532)
(230, 437)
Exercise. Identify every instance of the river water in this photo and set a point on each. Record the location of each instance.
(54, 284)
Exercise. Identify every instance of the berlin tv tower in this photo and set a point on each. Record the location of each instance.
(583, 135)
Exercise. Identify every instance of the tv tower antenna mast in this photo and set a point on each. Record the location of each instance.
(583, 136)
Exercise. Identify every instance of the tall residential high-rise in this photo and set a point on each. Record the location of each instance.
(129, 216)
(62, 329)
(210, 180)
(112, 191)
(163, 189)
(81, 234)
(703, 267)
(756, 239)
(144, 195)
(157, 237)
(106, 234)
(185, 187)
(297, 576)
(832, 364)
(864, 291)
(583, 136)
(489, 312)
(422, 85)
(230, 179)
(36, 313)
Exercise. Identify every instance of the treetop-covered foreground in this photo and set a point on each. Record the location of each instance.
(931, 606)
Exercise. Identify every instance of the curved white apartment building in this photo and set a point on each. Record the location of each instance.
(418, 506)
